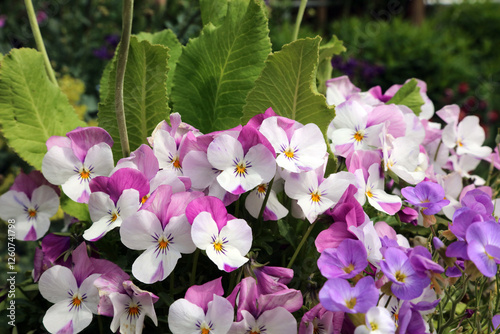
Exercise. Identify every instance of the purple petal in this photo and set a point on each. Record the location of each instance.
(27, 183)
(127, 178)
(210, 204)
(201, 295)
(332, 236)
(257, 120)
(144, 159)
(249, 137)
(83, 267)
(82, 139)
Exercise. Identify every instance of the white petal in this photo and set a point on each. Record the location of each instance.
(137, 230)
(41, 225)
(180, 229)
(164, 148)
(274, 133)
(384, 202)
(47, 200)
(168, 177)
(183, 316)
(59, 165)
(203, 229)
(278, 321)
(74, 187)
(230, 257)
(55, 283)
(220, 314)
(223, 151)
(300, 185)
(88, 288)
(100, 204)
(449, 135)
(59, 315)
(153, 265)
(311, 146)
(100, 160)
(262, 162)
(128, 203)
(198, 169)
(13, 204)
(238, 234)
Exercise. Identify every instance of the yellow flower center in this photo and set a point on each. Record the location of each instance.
(261, 188)
(350, 303)
(114, 217)
(315, 196)
(134, 311)
(32, 213)
(163, 243)
(374, 326)
(459, 143)
(84, 173)
(76, 301)
(205, 331)
(349, 268)
(369, 193)
(400, 277)
(217, 246)
(241, 169)
(144, 199)
(359, 136)
(289, 153)
(176, 163)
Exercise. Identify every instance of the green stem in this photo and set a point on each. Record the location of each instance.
(437, 150)
(302, 242)
(192, 279)
(39, 41)
(300, 15)
(121, 64)
(263, 207)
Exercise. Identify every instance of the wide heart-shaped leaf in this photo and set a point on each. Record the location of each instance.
(217, 70)
(144, 94)
(32, 108)
(166, 38)
(213, 11)
(288, 85)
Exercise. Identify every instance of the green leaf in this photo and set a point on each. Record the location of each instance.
(32, 109)
(288, 85)
(144, 93)
(217, 70)
(409, 95)
(77, 210)
(166, 38)
(287, 232)
(326, 52)
(213, 11)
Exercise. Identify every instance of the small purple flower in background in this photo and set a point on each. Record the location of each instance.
(3, 19)
(31, 203)
(41, 16)
(338, 295)
(406, 282)
(345, 261)
(51, 253)
(73, 161)
(427, 195)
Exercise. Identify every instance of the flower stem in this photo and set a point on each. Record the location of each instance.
(302, 242)
(264, 203)
(192, 279)
(121, 64)
(39, 41)
(300, 15)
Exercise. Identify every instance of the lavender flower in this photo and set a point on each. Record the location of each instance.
(428, 195)
(346, 261)
(338, 295)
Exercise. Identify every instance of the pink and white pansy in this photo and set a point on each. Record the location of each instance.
(73, 161)
(244, 162)
(162, 231)
(315, 194)
(31, 202)
(114, 199)
(202, 311)
(299, 148)
(225, 240)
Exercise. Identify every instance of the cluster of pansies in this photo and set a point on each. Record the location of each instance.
(183, 194)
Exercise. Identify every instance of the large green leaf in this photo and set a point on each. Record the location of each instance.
(32, 108)
(213, 11)
(144, 94)
(409, 95)
(77, 210)
(217, 70)
(288, 85)
(166, 38)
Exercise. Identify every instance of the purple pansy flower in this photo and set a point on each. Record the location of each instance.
(427, 195)
(483, 246)
(338, 295)
(345, 261)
